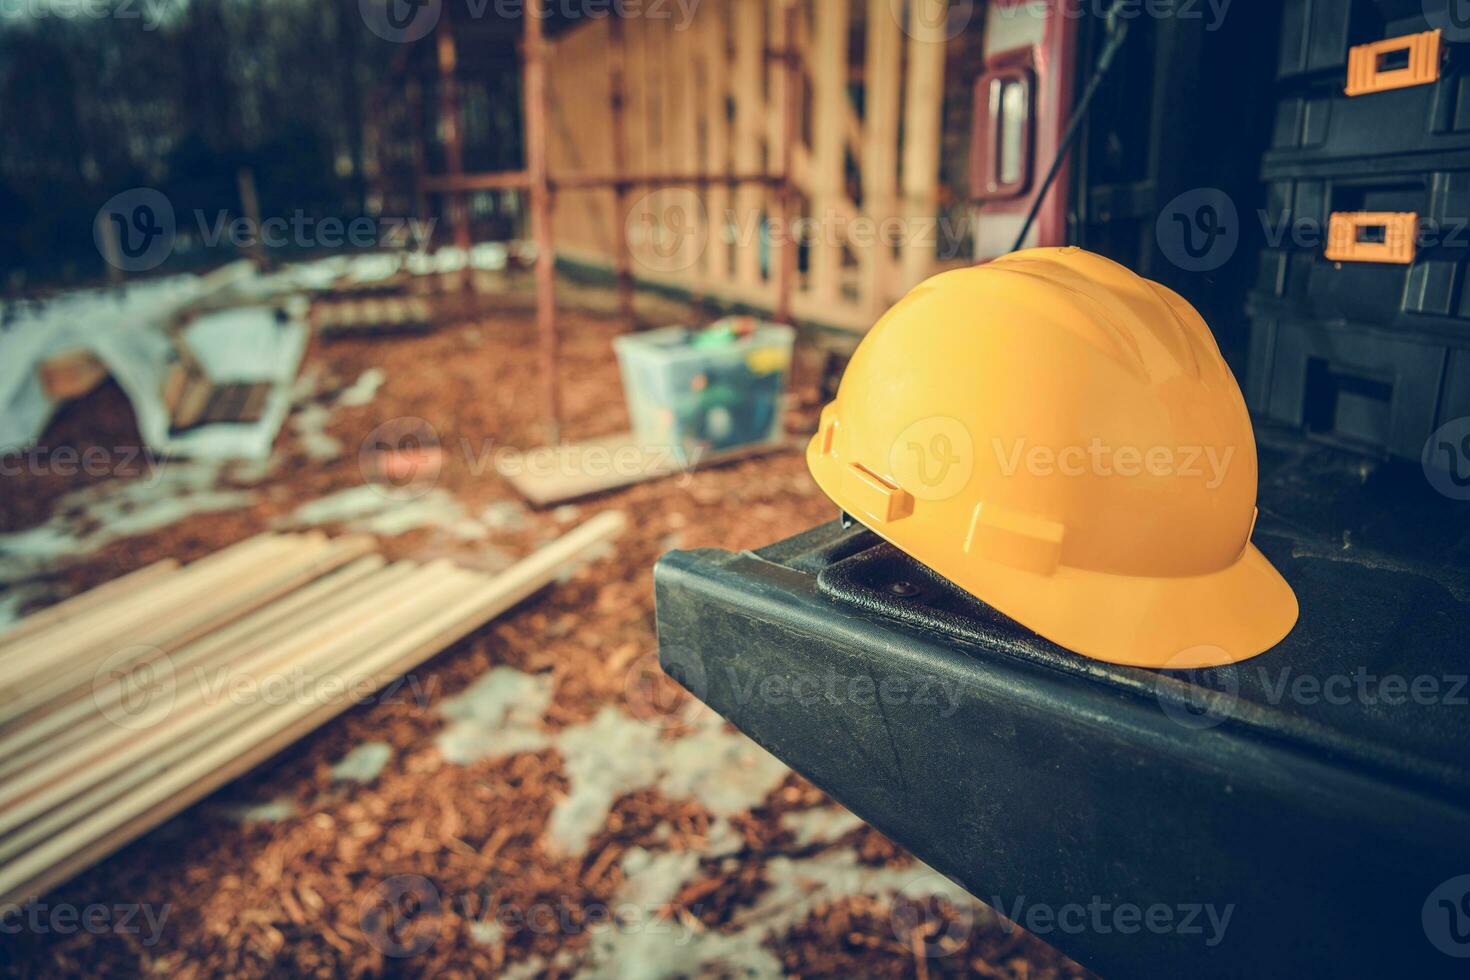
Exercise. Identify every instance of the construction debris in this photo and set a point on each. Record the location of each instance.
(124, 705)
(184, 350)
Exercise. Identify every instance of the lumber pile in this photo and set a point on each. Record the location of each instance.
(349, 317)
(124, 705)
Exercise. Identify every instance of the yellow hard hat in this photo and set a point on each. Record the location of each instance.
(1062, 439)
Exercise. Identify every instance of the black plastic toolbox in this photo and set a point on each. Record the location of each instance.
(1360, 314)
(1364, 387)
(1422, 290)
(1365, 80)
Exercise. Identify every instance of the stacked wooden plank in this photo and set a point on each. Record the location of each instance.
(348, 317)
(124, 705)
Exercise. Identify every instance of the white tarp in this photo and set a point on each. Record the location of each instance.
(125, 329)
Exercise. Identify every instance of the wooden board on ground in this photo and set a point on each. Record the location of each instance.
(553, 475)
(145, 745)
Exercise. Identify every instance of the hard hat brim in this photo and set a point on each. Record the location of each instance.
(1174, 623)
(1168, 623)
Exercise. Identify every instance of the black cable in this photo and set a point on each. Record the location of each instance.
(1117, 31)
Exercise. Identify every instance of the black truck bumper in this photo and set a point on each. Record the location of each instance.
(1232, 822)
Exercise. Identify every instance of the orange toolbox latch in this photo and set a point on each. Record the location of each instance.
(1399, 62)
(1372, 236)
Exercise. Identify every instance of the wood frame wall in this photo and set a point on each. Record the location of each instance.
(861, 153)
(710, 156)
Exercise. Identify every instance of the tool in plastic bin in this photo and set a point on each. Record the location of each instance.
(1398, 62)
(1372, 236)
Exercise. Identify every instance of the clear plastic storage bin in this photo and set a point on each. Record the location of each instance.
(709, 390)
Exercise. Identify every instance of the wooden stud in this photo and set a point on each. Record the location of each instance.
(882, 81)
(749, 129)
(617, 70)
(536, 165)
(922, 124)
(714, 40)
(829, 108)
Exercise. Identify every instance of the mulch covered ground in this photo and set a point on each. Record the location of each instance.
(288, 896)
